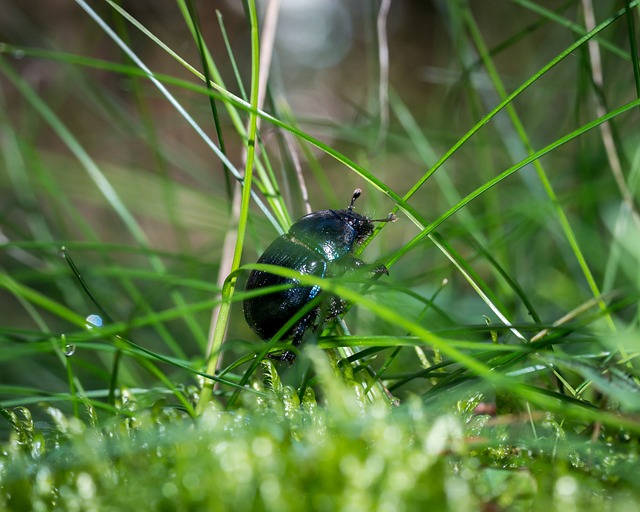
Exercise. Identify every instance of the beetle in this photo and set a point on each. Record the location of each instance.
(319, 244)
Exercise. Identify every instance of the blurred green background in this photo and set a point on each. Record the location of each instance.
(326, 77)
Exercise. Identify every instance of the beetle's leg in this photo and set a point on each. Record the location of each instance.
(337, 305)
(352, 263)
(287, 356)
(307, 322)
(298, 332)
(380, 269)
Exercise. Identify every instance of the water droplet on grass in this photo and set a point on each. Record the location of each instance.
(69, 348)
(93, 321)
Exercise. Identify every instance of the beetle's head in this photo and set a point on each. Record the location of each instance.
(362, 224)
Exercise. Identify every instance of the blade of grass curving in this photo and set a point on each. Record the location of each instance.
(229, 284)
(103, 184)
(76, 272)
(513, 284)
(152, 77)
(168, 383)
(28, 298)
(115, 371)
(283, 111)
(508, 172)
(520, 35)
(90, 166)
(576, 28)
(608, 132)
(631, 30)
(152, 141)
(44, 302)
(217, 83)
(509, 98)
(203, 51)
(38, 299)
(268, 187)
(483, 291)
(339, 157)
(427, 154)
(234, 65)
(542, 175)
(353, 167)
(358, 169)
(619, 387)
(542, 398)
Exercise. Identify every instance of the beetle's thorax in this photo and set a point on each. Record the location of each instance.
(332, 233)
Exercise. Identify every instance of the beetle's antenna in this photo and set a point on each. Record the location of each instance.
(390, 218)
(356, 195)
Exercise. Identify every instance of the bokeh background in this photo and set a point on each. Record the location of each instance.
(325, 73)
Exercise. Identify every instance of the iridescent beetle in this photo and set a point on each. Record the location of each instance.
(319, 244)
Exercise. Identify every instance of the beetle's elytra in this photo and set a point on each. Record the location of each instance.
(319, 244)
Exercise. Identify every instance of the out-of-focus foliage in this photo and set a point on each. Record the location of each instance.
(269, 456)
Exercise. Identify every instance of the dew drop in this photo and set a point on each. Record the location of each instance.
(62, 252)
(69, 348)
(93, 321)
(18, 54)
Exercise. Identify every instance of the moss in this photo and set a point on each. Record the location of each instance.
(311, 459)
